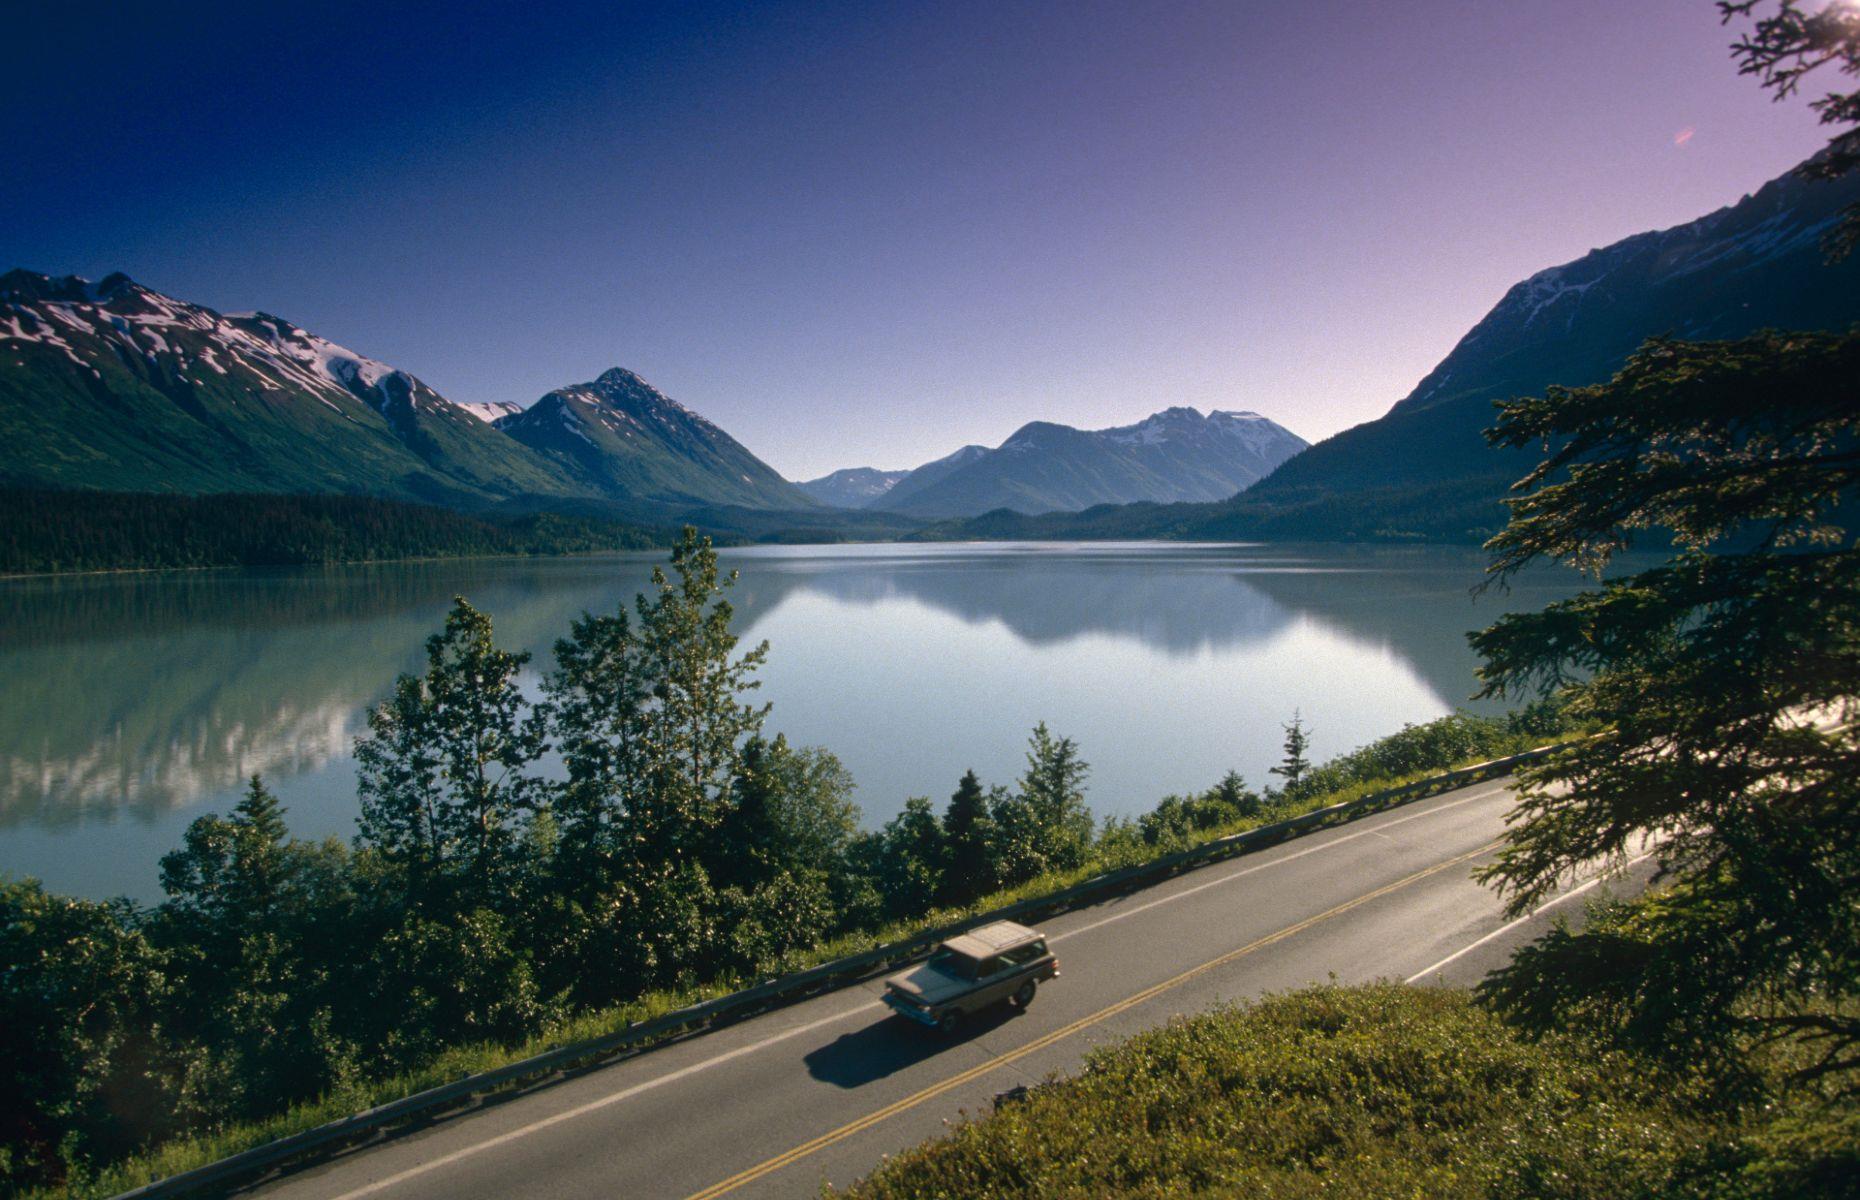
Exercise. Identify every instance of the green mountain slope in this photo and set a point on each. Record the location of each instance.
(113, 386)
(621, 436)
(921, 479)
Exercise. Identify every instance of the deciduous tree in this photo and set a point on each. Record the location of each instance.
(444, 773)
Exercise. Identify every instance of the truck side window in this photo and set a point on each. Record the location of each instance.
(1024, 954)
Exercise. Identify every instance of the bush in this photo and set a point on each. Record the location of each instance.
(1381, 1090)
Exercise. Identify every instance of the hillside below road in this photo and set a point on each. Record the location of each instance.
(820, 1091)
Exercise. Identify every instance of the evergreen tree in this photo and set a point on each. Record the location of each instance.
(1724, 683)
(969, 869)
(1294, 765)
(1784, 46)
(1231, 799)
(1044, 825)
(443, 773)
(230, 874)
(233, 925)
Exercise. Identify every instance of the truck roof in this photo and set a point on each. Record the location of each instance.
(992, 938)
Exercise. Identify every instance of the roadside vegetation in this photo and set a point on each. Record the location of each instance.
(1384, 1090)
(489, 907)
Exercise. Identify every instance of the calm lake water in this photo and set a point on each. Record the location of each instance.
(132, 704)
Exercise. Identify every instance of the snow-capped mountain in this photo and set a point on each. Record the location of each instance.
(113, 385)
(852, 487)
(620, 435)
(1173, 455)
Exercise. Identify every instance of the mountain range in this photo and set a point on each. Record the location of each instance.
(1177, 454)
(113, 386)
(1423, 470)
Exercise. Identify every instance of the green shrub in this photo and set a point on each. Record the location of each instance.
(1373, 1091)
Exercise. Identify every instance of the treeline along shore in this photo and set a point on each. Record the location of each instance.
(486, 903)
(43, 532)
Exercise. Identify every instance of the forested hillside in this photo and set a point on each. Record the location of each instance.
(98, 531)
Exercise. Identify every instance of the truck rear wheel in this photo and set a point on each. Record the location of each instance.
(1023, 998)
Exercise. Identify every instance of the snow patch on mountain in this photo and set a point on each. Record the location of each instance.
(132, 319)
(491, 411)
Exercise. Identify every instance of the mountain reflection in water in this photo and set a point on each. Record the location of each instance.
(152, 697)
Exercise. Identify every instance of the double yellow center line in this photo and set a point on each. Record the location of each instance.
(1104, 1014)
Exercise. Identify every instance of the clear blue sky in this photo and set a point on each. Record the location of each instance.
(865, 234)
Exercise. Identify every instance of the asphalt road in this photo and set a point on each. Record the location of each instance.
(821, 1091)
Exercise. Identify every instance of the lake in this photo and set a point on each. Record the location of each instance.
(132, 704)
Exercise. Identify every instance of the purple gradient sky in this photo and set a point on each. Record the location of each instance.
(867, 234)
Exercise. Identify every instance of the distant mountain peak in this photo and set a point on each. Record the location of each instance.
(618, 433)
(852, 487)
(620, 377)
(1174, 454)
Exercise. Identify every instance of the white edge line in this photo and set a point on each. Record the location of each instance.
(1241, 874)
(603, 1102)
(628, 1093)
(1571, 894)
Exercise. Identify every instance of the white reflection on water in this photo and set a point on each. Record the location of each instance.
(132, 704)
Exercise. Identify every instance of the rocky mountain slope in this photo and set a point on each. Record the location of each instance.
(1754, 264)
(1174, 455)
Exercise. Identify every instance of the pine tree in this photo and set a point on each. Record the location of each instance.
(969, 869)
(1293, 766)
(1784, 46)
(1723, 682)
(1044, 825)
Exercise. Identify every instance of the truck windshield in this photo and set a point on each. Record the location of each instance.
(951, 963)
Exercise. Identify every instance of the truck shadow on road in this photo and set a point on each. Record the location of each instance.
(893, 1043)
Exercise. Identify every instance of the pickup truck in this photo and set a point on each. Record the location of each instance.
(987, 965)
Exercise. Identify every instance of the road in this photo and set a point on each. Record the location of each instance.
(822, 1090)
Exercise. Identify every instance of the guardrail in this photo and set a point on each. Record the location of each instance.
(825, 977)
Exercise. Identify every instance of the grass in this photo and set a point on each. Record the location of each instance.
(1380, 1091)
(186, 1154)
